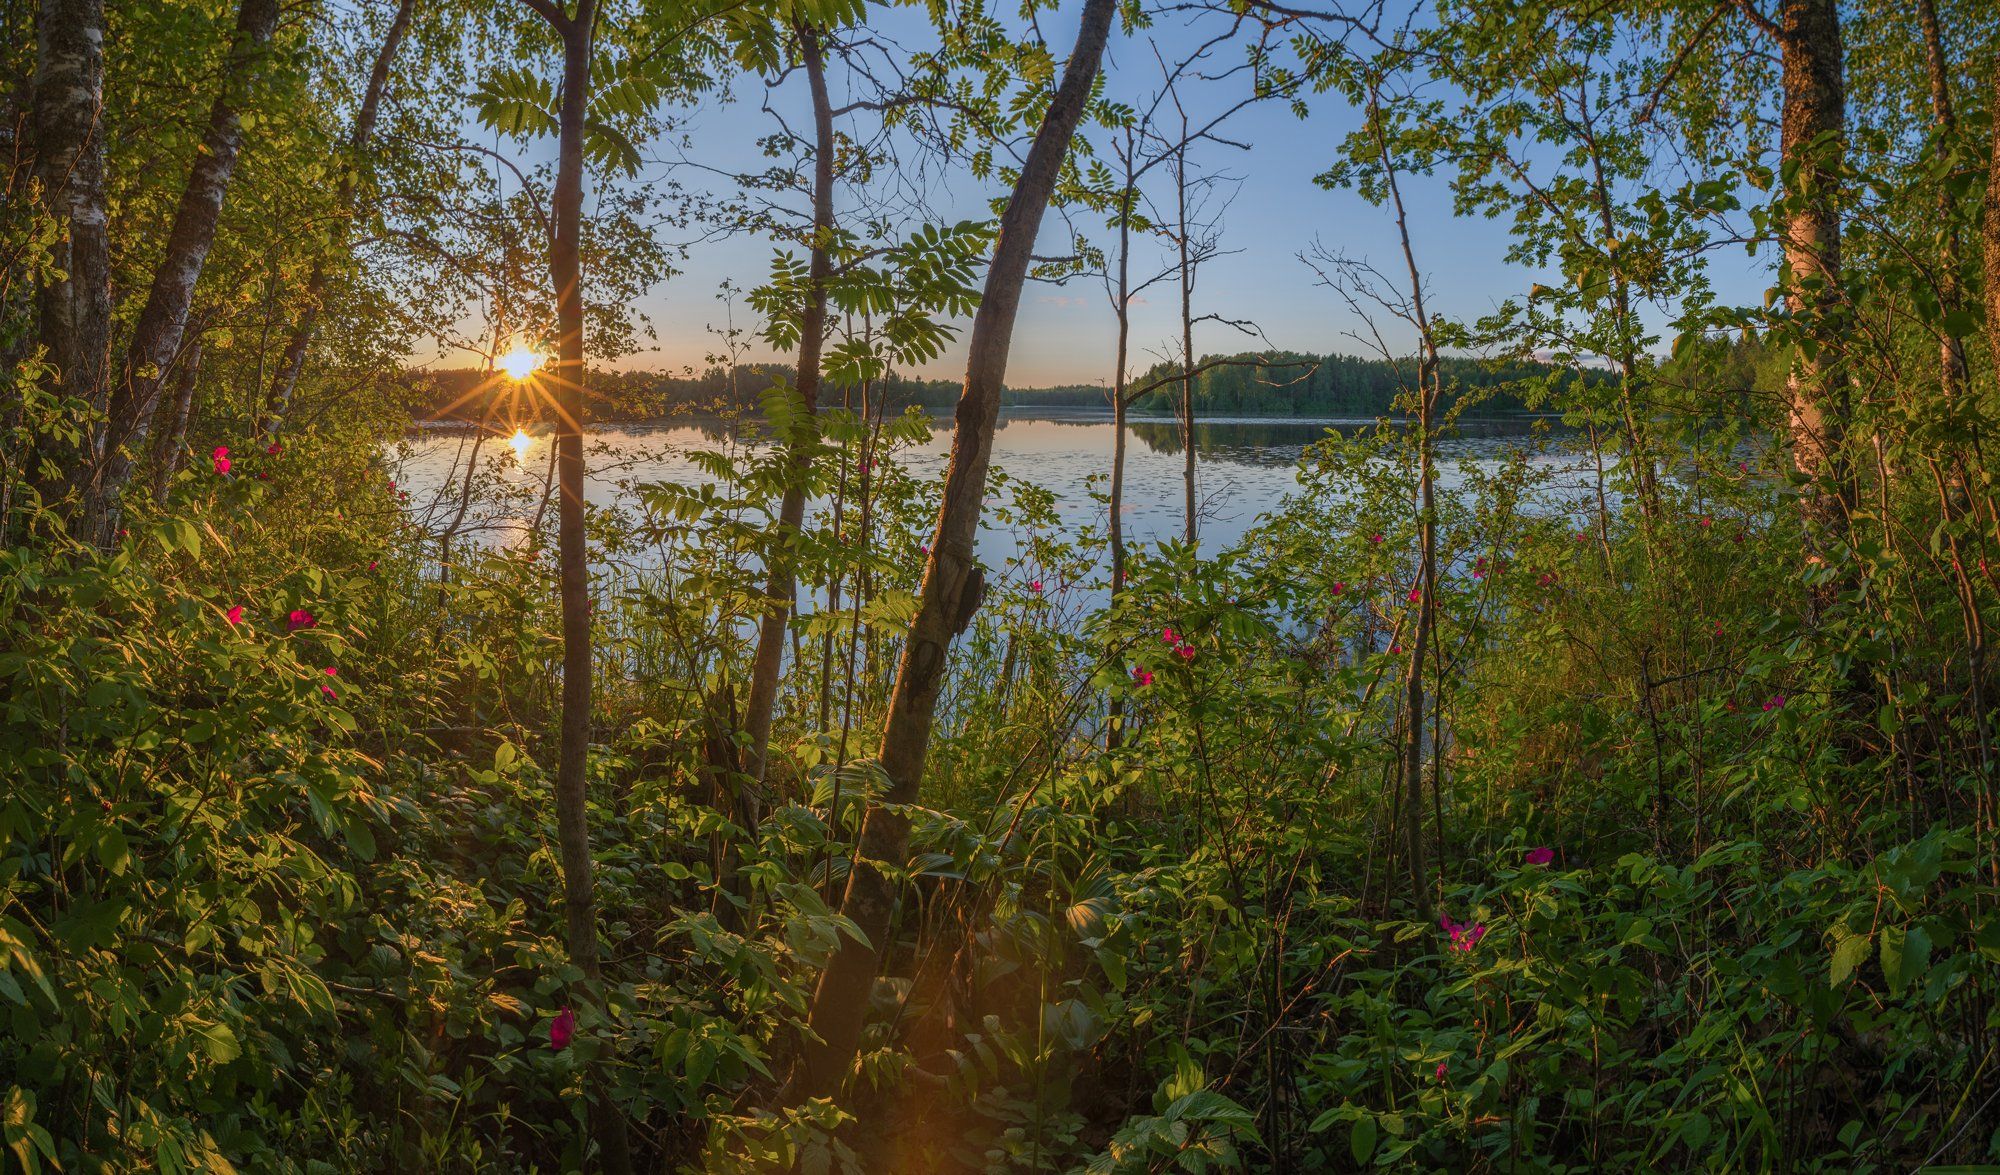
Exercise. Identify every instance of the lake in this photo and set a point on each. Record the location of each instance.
(1245, 467)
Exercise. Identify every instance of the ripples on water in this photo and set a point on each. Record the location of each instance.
(1245, 468)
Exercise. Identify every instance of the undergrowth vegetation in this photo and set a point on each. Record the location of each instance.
(282, 891)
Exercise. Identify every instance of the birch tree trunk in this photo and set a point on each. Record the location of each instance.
(157, 336)
(1813, 124)
(952, 583)
(75, 312)
(173, 442)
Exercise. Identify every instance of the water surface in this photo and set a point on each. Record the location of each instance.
(1245, 467)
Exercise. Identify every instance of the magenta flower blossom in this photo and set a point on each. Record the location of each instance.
(1339, 588)
(1142, 676)
(1186, 652)
(1463, 937)
(1416, 595)
(373, 564)
(300, 618)
(1170, 636)
(1705, 522)
(234, 615)
(1541, 856)
(1777, 702)
(1375, 538)
(273, 448)
(1440, 1071)
(1395, 648)
(325, 688)
(562, 1030)
(220, 459)
(1479, 568)
(1035, 586)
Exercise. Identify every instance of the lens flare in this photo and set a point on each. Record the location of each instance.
(520, 363)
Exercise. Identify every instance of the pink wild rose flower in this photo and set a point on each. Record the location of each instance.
(1541, 856)
(562, 1030)
(234, 615)
(1142, 676)
(300, 618)
(220, 459)
(1463, 937)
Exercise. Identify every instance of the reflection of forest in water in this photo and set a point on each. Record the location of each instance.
(1254, 441)
(1279, 442)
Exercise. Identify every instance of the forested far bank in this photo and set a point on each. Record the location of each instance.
(1272, 383)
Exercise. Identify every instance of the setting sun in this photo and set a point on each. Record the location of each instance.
(521, 362)
(521, 442)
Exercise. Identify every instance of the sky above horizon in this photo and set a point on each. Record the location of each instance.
(1065, 334)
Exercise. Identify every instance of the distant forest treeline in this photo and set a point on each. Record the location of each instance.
(1287, 384)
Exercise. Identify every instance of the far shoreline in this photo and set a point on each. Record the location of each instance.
(943, 416)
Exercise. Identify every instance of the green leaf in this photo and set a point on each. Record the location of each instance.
(220, 1043)
(1906, 954)
(1361, 1140)
(1847, 955)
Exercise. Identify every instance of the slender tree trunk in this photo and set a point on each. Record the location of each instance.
(565, 270)
(1187, 338)
(1639, 452)
(783, 584)
(157, 336)
(952, 584)
(1951, 348)
(173, 442)
(1426, 585)
(68, 132)
(572, 550)
(1989, 229)
(1814, 125)
(1114, 734)
(294, 358)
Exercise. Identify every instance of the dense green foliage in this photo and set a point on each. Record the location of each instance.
(1710, 836)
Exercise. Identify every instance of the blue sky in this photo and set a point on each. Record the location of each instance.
(1065, 334)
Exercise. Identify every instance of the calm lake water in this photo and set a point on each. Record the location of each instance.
(1245, 468)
